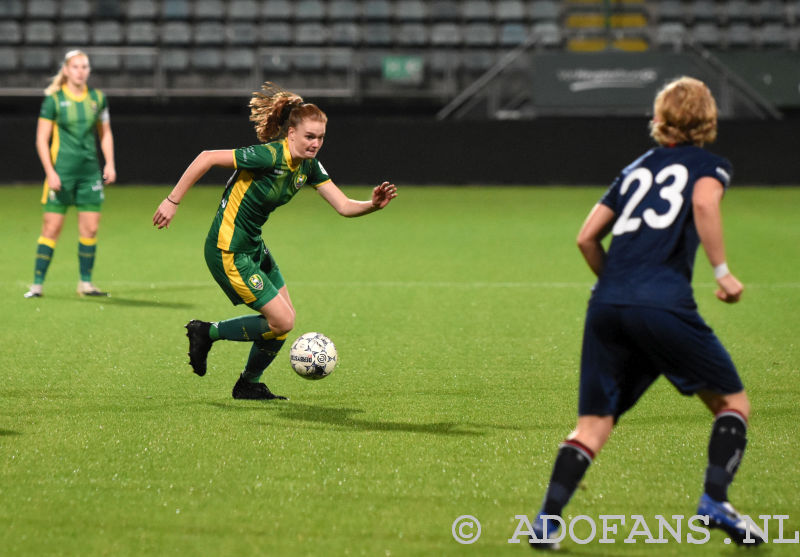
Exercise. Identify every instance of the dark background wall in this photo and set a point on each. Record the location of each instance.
(156, 148)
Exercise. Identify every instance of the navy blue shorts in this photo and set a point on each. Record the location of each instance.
(626, 348)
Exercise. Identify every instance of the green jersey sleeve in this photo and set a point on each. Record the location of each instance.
(255, 157)
(48, 111)
(317, 175)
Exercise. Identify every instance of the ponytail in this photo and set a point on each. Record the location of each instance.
(274, 110)
(58, 80)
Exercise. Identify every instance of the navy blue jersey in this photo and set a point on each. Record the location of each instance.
(654, 239)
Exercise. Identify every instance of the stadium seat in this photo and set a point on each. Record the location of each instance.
(378, 34)
(240, 59)
(142, 9)
(310, 61)
(37, 59)
(141, 33)
(108, 9)
(706, 34)
(74, 33)
(339, 60)
(668, 10)
(736, 11)
(42, 9)
(241, 33)
(445, 34)
(242, 10)
(739, 35)
(106, 62)
(75, 9)
(208, 10)
(275, 33)
(541, 10)
(510, 10)
(770, 11)
(478, 61)
(206, 59)
(412, 34)
(345, 33)
(513, 34)
(378, 10)
(443, 61)
(477, 10)
(548, 34)
(310, 34)
(344, 10)
(275, 64)
(8, 59)
(411, 10)
(773, 35)
(11, 9)
(208, 33)
(139, 62)
(670, 34)
(176, 10)
(175, 33)
(276, 10)
(175, 59)
(107, 33)
(702, 11)
(39, 32)
(10, 32)
(310, 10)
(443, 11)
(482, 35)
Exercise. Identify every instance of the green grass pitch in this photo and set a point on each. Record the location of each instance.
(457, 313)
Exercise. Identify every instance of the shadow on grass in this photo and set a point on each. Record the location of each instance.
(118, 301)
(8, 432)
(345, 417)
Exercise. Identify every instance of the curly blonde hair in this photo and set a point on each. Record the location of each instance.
(274, 110)
(684, 111)
(58, 80)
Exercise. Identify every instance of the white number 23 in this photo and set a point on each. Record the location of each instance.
(672, 193)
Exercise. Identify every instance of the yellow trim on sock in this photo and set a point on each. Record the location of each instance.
(269, 335)
(87, 241)
(47, 241)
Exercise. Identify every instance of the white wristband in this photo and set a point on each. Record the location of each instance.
(721, 270)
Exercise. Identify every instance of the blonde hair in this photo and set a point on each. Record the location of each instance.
(58, 80)
(274, 110)
(684, 111)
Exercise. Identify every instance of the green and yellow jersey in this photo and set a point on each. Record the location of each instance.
(265, 178)
(73, 147)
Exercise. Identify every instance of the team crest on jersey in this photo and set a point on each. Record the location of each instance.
(256, 282)
(301, 179)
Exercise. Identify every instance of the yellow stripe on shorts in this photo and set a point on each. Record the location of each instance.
(235, 278)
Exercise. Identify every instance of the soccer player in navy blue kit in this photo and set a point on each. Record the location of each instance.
(642, 320)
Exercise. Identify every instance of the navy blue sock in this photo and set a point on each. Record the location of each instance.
(725, 451)
(571, 463)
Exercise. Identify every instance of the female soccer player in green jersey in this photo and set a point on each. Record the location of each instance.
(265, 177)
(65, 142)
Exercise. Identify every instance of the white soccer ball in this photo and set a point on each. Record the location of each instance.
(313, 356)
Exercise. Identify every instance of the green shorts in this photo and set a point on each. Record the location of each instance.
(251, 278)
(85, 192)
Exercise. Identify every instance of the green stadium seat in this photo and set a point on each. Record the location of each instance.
(310, 10)
(446, 34)
(542, 10)
(42, 9)
(344, 10)
(511, 10)
(377, 34)
(277, 34)
(378, 10)
(142, 9)
(206, 59)
(37, 59)
(176, 10)
(479, 34)
(310, 34)
(275, 64)
(74, 9)
(175, 59)
(9, 61)
(106, 62)
(208, 33)
(345, 33)
(477, 10)
(242, 10)
(241, 33)
(208, 10)
(277, 10)
(513, 34)
(411, 34)
(74, 33)
(175, 33)
(240, 59)
(11, 9)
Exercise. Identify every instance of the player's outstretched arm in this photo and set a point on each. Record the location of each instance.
(596, 226)
(200, 165)
(706, 199)
(381, 196)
